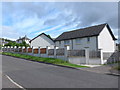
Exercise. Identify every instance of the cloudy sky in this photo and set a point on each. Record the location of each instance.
(54, 18)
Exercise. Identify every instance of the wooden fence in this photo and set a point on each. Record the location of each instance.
(36, 51)
(43, 50)
(29, 50)
(24, 50)
(20, 49)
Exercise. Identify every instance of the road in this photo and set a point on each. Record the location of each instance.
(30, 74)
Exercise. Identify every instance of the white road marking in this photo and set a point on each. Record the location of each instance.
(15, 82)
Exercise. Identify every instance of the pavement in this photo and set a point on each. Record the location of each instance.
(104, 69)
(28, 74)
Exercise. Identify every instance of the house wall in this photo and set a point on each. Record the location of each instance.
(27, 41)
(42, 41)
(84, 43)
(105, 41)
(20, 41)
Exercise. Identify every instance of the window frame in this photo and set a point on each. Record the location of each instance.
(88, 39)
(66, 41)
(78, 42)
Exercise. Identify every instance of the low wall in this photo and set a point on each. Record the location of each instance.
(94, 61)
(62, 57)
(77, 60)
(78, 57)
(59, 57)
(82, 60)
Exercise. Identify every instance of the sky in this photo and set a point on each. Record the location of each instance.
(53, 18)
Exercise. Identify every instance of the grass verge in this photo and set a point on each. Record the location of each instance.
(44, 60)
(116, 67)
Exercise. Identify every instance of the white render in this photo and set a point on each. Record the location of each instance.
(20, 40)
(103, 41)
(78, 46)
(42, 41)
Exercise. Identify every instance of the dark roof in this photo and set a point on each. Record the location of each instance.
(40, 35)
(84, 32)
(23, 38)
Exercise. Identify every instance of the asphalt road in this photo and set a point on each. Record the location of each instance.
(30, 74)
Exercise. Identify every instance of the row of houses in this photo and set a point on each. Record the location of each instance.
(94, 37)
(95, 44)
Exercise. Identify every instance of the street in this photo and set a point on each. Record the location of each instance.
(30, 74)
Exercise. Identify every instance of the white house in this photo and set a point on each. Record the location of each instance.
(20, 40)
(42, 40)
(3, 41)
(94, 37)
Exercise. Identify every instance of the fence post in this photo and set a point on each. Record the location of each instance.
(7, 48)
(101, 56)
(22, 49)
(14, 48)
(87, 55)
(47, 51)
(2, 49)
(54, 51)
(18, 49)
(26, 50)
(10, 48)
(39, 51)
(66, 52)
(32, 50)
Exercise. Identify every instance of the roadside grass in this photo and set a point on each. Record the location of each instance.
(44, 60)
(116, 67)
(72, 65)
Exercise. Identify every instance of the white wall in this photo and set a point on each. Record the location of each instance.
(94, 61)
(84, 43)
(42, 41)
(105, 41)
(77, 60)
(27, 41)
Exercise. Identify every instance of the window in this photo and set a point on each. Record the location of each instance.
(59, 42)
(78, 41)
(88, 39)
(66, 42)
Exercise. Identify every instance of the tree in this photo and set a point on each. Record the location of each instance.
(13, 43)
(10, 44)
(25, 44)
(49, 36)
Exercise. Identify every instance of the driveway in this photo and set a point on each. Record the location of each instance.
(30, 74)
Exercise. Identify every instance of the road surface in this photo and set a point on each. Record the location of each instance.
(30, 74)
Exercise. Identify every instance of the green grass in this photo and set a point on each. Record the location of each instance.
(116, 67)
(72, 65)
(45, 60)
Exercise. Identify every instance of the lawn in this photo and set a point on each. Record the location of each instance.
(44, 60)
